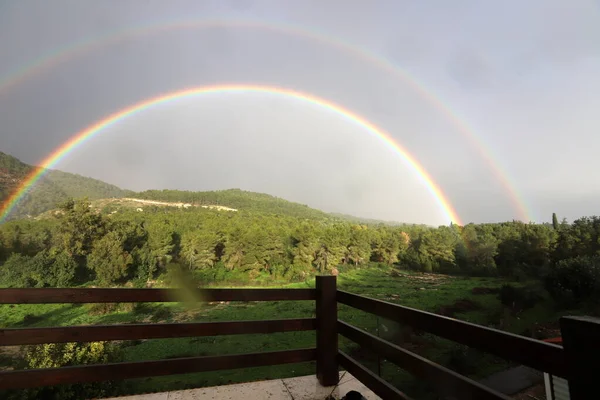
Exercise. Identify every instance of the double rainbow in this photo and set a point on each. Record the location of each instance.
(95, 129)
(56, 56)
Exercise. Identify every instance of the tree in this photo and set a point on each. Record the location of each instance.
(331, 248)
(145, 262)
(304, 244)
(480, 249)
(510, 251)
(554, 221)
(581, 238)
(574, 280)
(235, 249)
(198, 249)
(16, 272)
(266, 247)
(59, 268)
(189, 249)
(109, 260)
(78, 228)
(537, 244)
(387, 245)
(433, 250)
(42, 270)
(162, 241)
(359, 245)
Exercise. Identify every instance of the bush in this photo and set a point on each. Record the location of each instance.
(219, 273)
(44, 269)
(109, 308)
(161, 314)
(518, 299)
(299, 273)
(278, 271)
(57, 355)
(101, 308)
(343, 268)
(575, 279)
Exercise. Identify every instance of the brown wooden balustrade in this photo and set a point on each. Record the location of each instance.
(574, 362)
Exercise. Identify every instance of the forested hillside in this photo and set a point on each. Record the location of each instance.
(53, 188)
(80, 244)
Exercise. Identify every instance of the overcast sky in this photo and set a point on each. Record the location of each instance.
(522, 76)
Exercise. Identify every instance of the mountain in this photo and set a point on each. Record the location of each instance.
(53, 188)
(56, 186)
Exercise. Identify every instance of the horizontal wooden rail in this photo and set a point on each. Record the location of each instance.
(78, 295)
(445, 381)
(380, 387)
(542, 356)
(20, 336)
(117, 371)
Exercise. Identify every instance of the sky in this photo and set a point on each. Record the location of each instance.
(496, 100)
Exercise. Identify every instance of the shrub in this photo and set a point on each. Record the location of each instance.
(101, 308)
(575, 279)
(161, 314)
(44, 269)
(253, 274)
(109, 308)
(57, 355)
(219, 273)
(518, 299)
(299, 273)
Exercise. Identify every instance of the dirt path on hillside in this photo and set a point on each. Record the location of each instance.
(174, 204)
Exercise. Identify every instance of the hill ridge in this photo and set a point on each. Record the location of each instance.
(55, 187)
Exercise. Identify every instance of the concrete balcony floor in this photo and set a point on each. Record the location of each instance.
(300, 388)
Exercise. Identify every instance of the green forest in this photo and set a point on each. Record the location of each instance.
(81, 245)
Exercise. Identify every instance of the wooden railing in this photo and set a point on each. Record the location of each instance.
(117, 371)
(581, 336)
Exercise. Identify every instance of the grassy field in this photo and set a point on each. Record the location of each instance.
(471, 299)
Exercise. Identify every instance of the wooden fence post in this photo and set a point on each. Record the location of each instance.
(327, 336)
(581, 342)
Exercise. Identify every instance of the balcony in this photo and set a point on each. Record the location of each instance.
(573, 362)
(299, 388)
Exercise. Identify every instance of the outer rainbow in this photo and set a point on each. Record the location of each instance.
(56, 56)
(91, 131)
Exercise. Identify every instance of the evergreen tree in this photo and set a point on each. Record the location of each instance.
(554, 221)
(109, 260)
